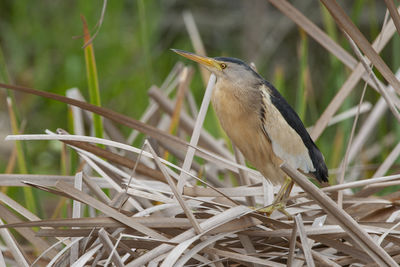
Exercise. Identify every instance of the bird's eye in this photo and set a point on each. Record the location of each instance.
(223, 65)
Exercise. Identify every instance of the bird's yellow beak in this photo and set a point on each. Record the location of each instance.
(205, 61)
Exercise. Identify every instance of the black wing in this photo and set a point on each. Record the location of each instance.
(291, 117)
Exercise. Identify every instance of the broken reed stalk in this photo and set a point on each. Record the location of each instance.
(393, 13)
(177, 193)
(71, 191)
(196, 132)
(375, 79)
(345, 23)
(379, 43)
(377, 253)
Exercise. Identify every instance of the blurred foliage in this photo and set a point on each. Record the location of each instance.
(42, 44)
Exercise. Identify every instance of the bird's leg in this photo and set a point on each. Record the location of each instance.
(280, 200)
(284, 191)
(288, 186)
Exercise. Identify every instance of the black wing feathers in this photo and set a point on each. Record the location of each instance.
(291, 117)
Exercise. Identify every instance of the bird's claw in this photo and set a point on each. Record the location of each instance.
(280, 206)
(280, 200)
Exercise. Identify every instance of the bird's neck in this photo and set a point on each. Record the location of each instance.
(245, 96)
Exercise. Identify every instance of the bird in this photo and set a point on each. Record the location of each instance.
(261, 124)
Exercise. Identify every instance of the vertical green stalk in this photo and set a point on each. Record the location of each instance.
(356, 11)
(22, 166)
(145, 40)
(72, 155)
(5, 78)
(374, 24)
(334, 80)
(395, 52)
(395, 66)
(20, 148)
(279, 80)
(14, 127)
(93, 82)
(301, 89)
(331, 30)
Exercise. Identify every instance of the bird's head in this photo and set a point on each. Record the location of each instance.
(225, 68)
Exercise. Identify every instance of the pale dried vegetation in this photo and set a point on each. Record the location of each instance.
(181, 213)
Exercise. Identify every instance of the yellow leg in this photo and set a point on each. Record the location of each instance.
(280, 200)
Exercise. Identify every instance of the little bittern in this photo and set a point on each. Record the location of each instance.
(261, 123)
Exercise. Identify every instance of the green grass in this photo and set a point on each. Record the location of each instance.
(301, 95)
(92, 78)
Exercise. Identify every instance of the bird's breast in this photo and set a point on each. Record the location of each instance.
(241, 122)
(232, 112)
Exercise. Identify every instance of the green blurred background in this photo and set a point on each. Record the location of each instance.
(132, 53)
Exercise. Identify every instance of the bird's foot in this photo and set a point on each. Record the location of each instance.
(280, 206)
(280, 200)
